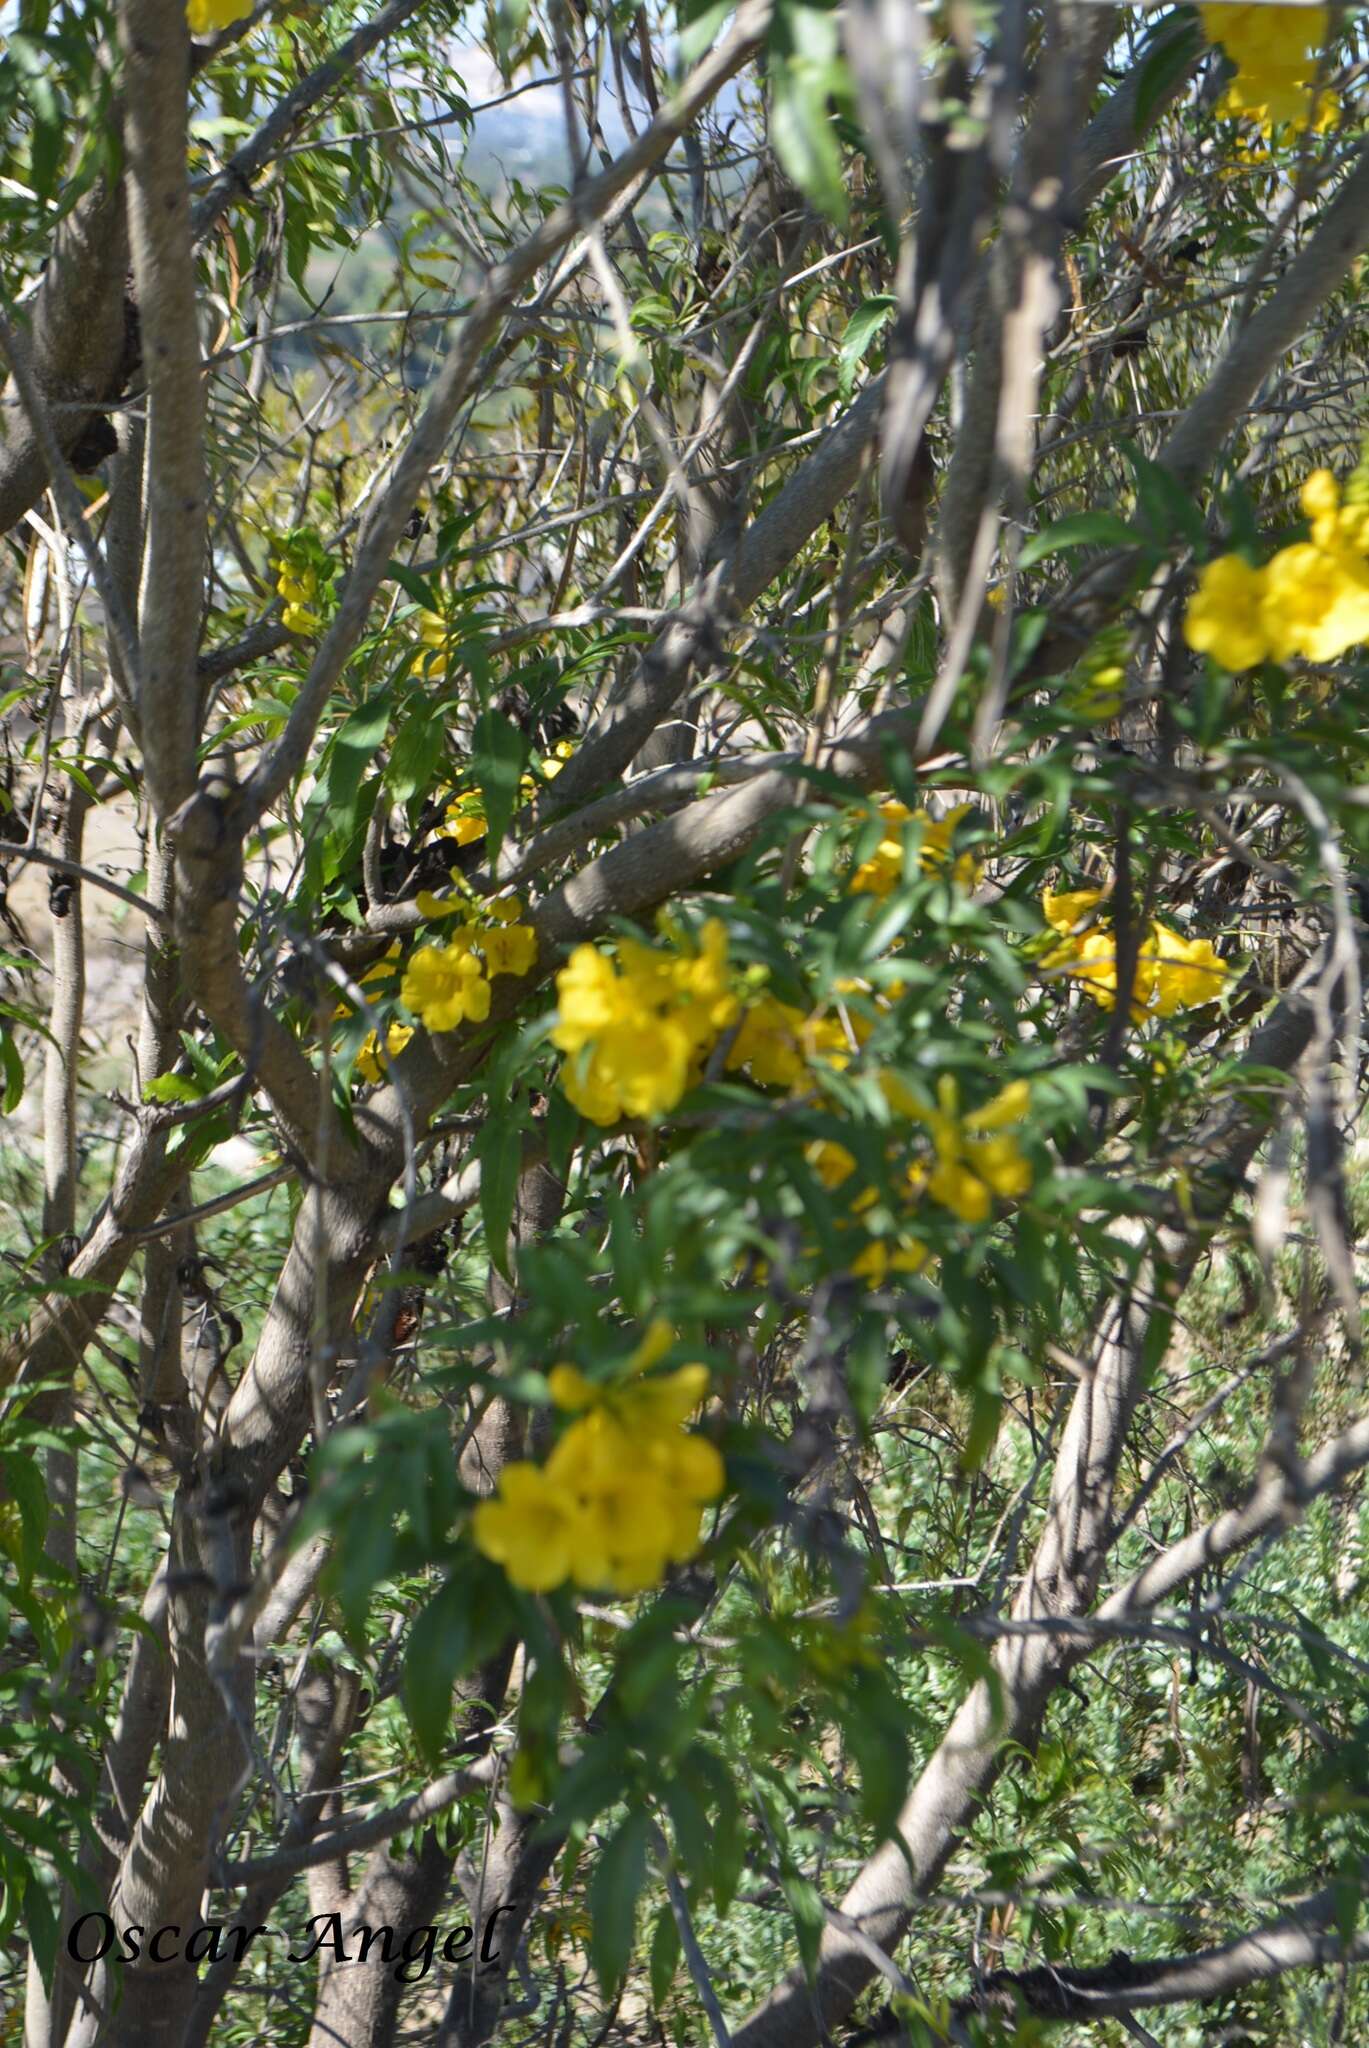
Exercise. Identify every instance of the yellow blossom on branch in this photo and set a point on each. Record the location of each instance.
(444, 985)
(1172, 973)
(207, 17)
(1310, 599)
(1275, 51)
(638, 1029)
(508, 949)
(368, 1060)
(884, 869)
(977, 1155)
(621, 1496)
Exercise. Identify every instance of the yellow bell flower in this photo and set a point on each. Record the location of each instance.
(465, 819)
(977, 1156)
(530, 1528)
(509, 949)
(207, 17)
(1187, 972)
(768, 1043)
(884, 869)
(1275, 51)
(444, 986)
(1226, 617)
(883, 1256)
(1316, 602)
(368, 1061)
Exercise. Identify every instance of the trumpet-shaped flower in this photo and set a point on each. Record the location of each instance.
(368, 1060)
(623, 1492)
(530, 1528)
(509, 949)
(977, 1156)
(1316, 601)
(1274, 49)
(884, 869)
(1172, 973)
(445, 987)
(639, 1028)
(207, 17)
(465, 820)
(768, 1043)
(1225, 616)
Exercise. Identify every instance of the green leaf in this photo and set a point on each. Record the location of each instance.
(28, 1489)
(868, 320)
(501, 1160)
(1175, 43)
(13, 1067)
(1078, 530)
(699, 25)
(665, 1955)
(805, 1903)
(801, 127)
(497, 761)
(413, 585)
(416, 752)
(332, 810)
(438, 1643)
(41, 1922)
(614, 1890)
(1167, 508)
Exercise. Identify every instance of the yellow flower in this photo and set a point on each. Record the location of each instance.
(640, 1065)
(831, 1162)
(937, 834)
(1069, 911)
(768, 1043)
(702, 978)
(1275, 51)
(207, 17)
(368, 1061)
(1172, 973)
(1187, 972)
(531, 1528)
(639, 1029)
(434, 907)
(297, 583)
(465, 819)
(622, 1494)
(586, 998)
(1226, 616)
(509, 949)
(1316, 602)
(883, 1256)
(444, 986)
(504, 910)
(884, 869)
(977, 1156)
(624, 1530)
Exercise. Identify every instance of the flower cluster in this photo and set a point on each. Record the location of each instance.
(884, 869)
(449, 984)
(638, 1029)
(298, 583)
(976, 1157)
(1311, 599)
(1275, 52)
(207, 17)
(623, 1492)
(1172, 973)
